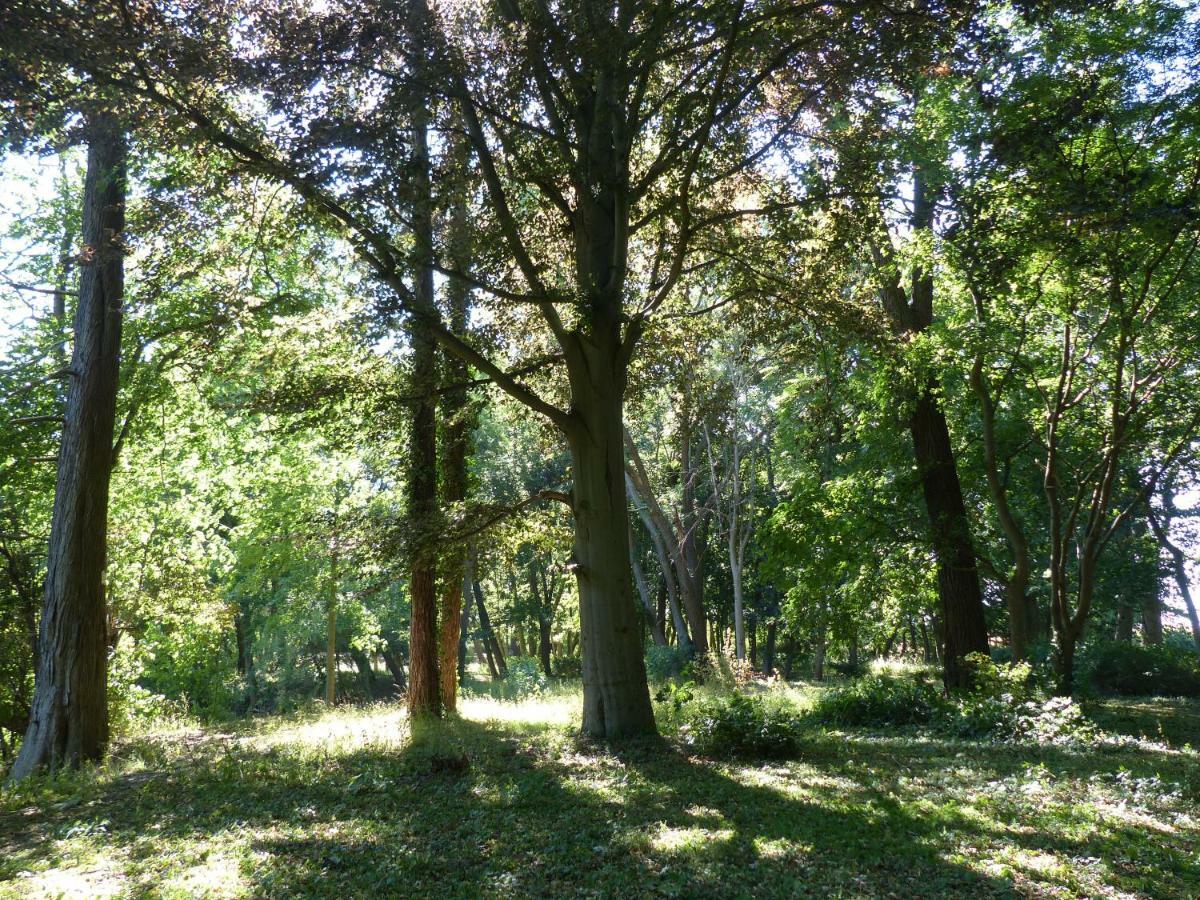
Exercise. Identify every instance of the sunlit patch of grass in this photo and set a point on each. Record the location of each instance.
(552, 709)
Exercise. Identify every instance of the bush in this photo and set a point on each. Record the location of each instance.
(567, 666)
(1170, 669)
(744, 726)
(1006, 703)
(525, 678)
(879, 700)
(663, 663)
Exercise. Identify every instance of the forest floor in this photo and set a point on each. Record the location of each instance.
(506, 801)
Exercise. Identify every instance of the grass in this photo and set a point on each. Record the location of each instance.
(350, 803)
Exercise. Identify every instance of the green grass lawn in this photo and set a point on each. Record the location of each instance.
(349, 804)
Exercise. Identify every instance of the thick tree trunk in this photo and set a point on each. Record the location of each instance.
(960, 596)
(458, 421)
(616, 699)
(1064, 666)
(69, 717)
(424, 687)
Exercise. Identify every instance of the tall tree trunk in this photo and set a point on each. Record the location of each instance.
(739, 613)
(643, 589)
(819, 653)
(393, 658)
(458, 421)
(691, 578)
(330, 654)
(489, 636)
(960, 596)
(769, 655)
(464, 624)
(69, 718)
(331, 631)
(1124, 629)
(1152, 627)
(1178, 566)
(424, 687)
(616, 698)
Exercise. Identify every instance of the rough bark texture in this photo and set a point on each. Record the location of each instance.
(424, 688)
(457, 422)
(960, 596)
(69, 718)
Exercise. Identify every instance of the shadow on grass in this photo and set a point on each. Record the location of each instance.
(559, 818)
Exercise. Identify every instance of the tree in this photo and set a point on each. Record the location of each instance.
(68, 721)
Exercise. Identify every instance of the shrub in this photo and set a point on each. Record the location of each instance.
(878, 700)
(1170, 669)
(567, 666)
(663, 663)
(525, 678)
(744, 726)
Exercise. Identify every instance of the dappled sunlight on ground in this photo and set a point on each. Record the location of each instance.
(506, 800)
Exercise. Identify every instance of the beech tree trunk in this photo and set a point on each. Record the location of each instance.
(69, 717)
(616, 698)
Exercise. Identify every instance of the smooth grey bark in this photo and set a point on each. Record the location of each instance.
(616, 698)
(69, 716)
